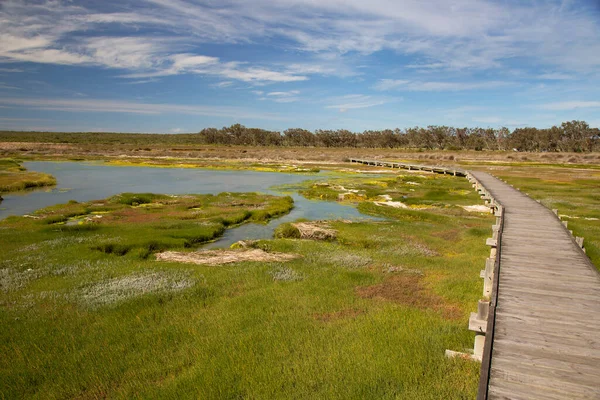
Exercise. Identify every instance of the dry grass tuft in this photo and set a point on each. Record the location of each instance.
(218, 257)
(318, 230)
(123, 288)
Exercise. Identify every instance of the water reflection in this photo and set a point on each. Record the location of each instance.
(90, 181)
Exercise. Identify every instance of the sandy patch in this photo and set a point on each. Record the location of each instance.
(476, 208)
(343, 189)
(218, 257)
(395, 204)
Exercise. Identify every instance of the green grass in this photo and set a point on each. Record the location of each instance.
(575, 193)
(366, 316)
(14, 177)
(418, 191)
(287, 230)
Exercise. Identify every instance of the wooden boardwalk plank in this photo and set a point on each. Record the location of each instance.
(547, 327)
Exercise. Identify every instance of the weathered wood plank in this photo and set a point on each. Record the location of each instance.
(547, 318)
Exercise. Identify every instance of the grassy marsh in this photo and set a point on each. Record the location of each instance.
(367, 315)
(416, 191)
(14, 177)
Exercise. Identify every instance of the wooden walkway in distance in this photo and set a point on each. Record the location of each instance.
(546, 339)
(417, 167)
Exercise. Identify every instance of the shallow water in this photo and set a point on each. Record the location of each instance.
(91, 181)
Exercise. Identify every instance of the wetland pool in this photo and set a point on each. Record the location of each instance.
(85, 181)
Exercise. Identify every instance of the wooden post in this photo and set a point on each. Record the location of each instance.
(478, 347)
(478, 320)
(488, 276)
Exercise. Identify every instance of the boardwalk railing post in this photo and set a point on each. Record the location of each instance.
(478, 322)
(488, 277)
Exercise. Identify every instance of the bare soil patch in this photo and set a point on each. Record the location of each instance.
(409, 289)
(476, 208)
(317, 230)
(219, 257)
(395, 204)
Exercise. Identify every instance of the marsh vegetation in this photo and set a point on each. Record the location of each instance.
(14, 177)
(89, 311)
(113, 298)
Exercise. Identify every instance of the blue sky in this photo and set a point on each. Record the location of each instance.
(183, 65)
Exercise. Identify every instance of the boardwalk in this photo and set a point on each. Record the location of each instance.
(546, 339)
(417, 167)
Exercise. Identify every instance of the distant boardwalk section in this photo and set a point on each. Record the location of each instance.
(546, 339)
(416, 167)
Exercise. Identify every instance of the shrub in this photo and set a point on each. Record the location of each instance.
(287, 231)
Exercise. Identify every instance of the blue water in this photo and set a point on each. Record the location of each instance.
(91, 181)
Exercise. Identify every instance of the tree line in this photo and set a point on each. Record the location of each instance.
(572, 136)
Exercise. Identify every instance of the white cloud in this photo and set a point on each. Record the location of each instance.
(156, 36)
(457, 34)
(10, 70)
(128, 107)
(569, 105)
(255, 74)
(434, 86)
(5, 86)
(140, 82)
(126, 52)
(223, 84)
(284, 94)
(279, 97)
(355, 101)
(47, 33)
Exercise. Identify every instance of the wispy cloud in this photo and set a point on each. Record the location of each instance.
(569, 105)
(11, 87)
(49, 37)
(128, 107)
(469, 34)
(355, 101)
(11, 70)
(434, 86)
(223, 84)
(140, 81)
(282, 97)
